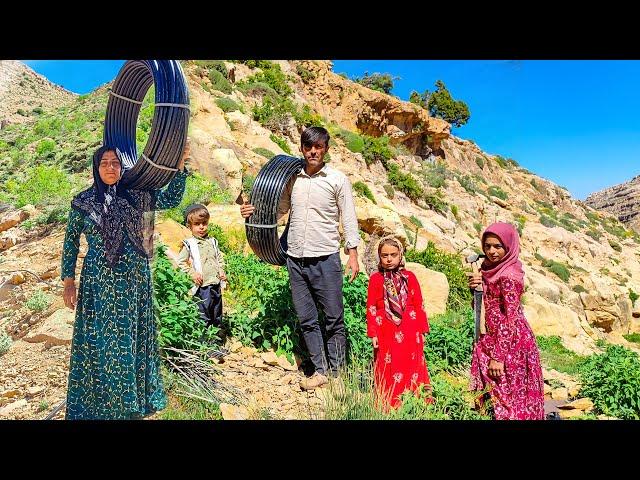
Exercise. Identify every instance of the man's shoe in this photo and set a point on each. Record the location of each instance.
(314, 381)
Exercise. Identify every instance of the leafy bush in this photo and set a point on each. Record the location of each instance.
(198, 190)
(352, 141)
(579, 289)
(45, 146)
(496, 191)
(388, 189)
(273, 76)
(450, 339)
(633, 296)
(381, 82)
(281, 142)
(449, 264)
(305, 74)
(213, 65)
(227, 104)
(39, 301)
(363, 190)
(612, 381)
(480, 162)
(178, 316)
(355, 313)
(615, 245)
(219, 82)
(44, 185)
(435, 201)
(520, 221)
(435, 175)
(5, 342)
(468, 183)
(405, 182)
(501, 161)
(376, 149)
(264, 152)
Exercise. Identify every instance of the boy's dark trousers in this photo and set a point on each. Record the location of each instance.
(211, 304)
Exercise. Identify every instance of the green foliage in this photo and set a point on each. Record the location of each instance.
(496, 191)
(264, 152)
(273, 76)
(614, 227)
(219, 82)
(579, 289)
(478, 227)
(388, 189)
(305, 117)
(381, 82)
(520, 221)
(435, 174)
(548, 221)
(416, 221)
(45, 147)
(480, 162)
(355, 314)
(352, 141)
(198, 190)
(502, 162)
(615, 245)
(213, 65)
(450, 339)
(468, 183)
(633, 296)
(556, 356)
(305, 74)
(632, 337)
(442, 105)
(39, 301)
(536, 185)
(449, 264)
(454, 210)
(376, 149)
(247, 183)
(405, 182)
(5, 342)
(281, 142)
(435, 201)
(175, 309)
(560, 269)
(44, 185)
(228, 104)
(612, 381)
(363, 190)
(261, 89)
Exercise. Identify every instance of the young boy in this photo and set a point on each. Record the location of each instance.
(205, 264)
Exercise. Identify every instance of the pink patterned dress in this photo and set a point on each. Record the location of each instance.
(519, 394)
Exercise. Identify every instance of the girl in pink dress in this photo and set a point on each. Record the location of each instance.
(506, 358)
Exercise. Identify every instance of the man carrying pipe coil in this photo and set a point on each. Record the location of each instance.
(317, 198)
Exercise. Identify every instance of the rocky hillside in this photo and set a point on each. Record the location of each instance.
(412, 178)
(622, 200)
(25, 94)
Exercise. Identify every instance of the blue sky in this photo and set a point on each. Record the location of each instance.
(573, 122)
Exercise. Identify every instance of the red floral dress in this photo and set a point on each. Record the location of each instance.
(399, 362)
(519, 394)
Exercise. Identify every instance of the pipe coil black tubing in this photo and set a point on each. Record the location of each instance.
(158, 163)
(261, 227)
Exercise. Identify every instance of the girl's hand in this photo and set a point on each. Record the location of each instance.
(197, 278)
(475, 279)
(70, 294)
(223, 277)
(374, 340)
(496, 369)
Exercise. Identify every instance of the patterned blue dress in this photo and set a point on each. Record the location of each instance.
(115, 365)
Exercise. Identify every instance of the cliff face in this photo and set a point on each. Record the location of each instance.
(622, 200)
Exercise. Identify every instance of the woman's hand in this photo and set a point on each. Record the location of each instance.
(70, 294)
(495, 369)
(186, 153)
(475, 279)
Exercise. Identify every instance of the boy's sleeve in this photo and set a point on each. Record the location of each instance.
(183, 256)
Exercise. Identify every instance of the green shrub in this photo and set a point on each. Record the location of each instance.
(177, 314)
(416, 221)
(363, 190)
(615, 245)
(227, 104)
(468, 183)
(612, 381)
(435, 175)
(352, 141)
(501, 161)
(435, 201)
(273, 76)
(632, 337)
(305, 117)
(39, 301)
(595, 234)
(579, 289)
(449, 264)
(405, 182)
(219, 82)
(45, 146)
(281, 142)
(520, 221)
(496, 191)
(388, 189)
(214, 65)
(478, 227)
(198, 190)
(454, 210)
(5, 342)
(264, 152)
(305, 74)
(633, 296)
(376, 149)
(450, 339)
(480, 162)
(548, 221)
(253, 89)
(44, 185)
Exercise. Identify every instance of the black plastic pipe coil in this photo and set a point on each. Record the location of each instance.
(157, 165)
(261, 227)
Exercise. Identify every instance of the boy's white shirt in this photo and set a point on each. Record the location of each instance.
(194, 256)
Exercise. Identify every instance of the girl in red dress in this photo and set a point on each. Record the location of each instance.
(396, 321)
(506, 358)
